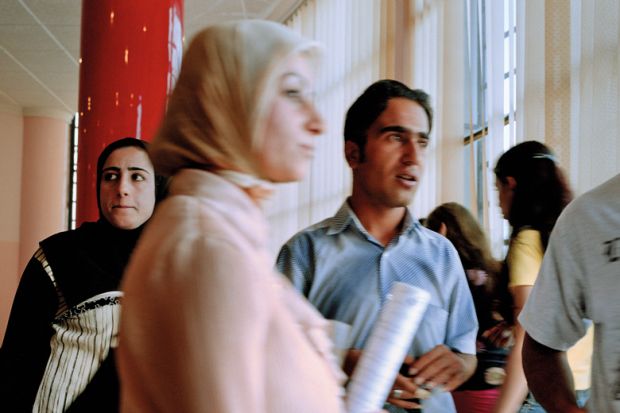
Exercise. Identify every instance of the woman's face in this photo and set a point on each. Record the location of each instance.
(292, 124)
(127, 191)
(505, 192)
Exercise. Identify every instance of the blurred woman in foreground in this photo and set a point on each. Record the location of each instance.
(207, 325)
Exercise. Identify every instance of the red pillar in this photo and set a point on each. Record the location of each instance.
(130, 57)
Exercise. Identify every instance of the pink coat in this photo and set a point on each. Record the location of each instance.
(207, 325)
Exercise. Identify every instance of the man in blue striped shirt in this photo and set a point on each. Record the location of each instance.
(346, 264)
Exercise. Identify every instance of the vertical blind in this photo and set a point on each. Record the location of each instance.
(440, 46)
(367, 40)
(349, 29)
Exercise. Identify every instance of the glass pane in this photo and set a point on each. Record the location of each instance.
(475, 75)
(506, 137)
(73, 159)
(467, 180)
(506, 96)
(506, 54)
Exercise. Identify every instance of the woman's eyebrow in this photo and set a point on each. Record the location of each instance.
(137, 168)
(131, 168)
(295, 76)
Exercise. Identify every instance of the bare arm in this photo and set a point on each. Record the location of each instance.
(514, 390)
(549, 377)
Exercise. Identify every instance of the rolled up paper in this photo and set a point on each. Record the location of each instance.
(386, 348)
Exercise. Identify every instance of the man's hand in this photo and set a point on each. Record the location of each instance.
(442, 367)
(405, 392)
(404, 387)
(350, 360)
(439, 367)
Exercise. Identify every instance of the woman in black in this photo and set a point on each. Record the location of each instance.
(57, 354)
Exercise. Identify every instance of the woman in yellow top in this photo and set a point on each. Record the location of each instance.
(532, 194)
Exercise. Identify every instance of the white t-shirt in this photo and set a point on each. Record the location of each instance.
(580, 279)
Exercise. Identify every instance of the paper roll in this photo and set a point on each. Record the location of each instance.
(386, 348)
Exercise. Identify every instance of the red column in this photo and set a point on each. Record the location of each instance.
(130, 57)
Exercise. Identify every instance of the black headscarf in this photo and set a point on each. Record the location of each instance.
(91, 259)
(85, 263)
(160, 181)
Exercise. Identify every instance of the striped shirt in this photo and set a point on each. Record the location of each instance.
(346, 274)
(83, 336)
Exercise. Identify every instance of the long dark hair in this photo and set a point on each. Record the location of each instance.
(541, 190)
(465, 233)
(472, 245)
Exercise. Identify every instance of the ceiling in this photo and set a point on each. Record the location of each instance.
(40, 46)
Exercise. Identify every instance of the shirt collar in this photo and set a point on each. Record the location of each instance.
(346, 216)
(342, 219)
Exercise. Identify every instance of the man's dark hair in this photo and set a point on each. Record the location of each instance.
(369, 106)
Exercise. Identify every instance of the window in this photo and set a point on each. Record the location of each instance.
(490, 106)
(72, 183)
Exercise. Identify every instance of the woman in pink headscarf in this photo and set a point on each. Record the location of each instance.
(207, 326)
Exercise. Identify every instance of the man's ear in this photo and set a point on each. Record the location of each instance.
(511, 183)
(351, 153)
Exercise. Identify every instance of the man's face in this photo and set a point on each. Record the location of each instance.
(395, 151)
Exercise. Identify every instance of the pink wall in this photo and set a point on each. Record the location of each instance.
(10, 193)
(44, 182)
(34, 155)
